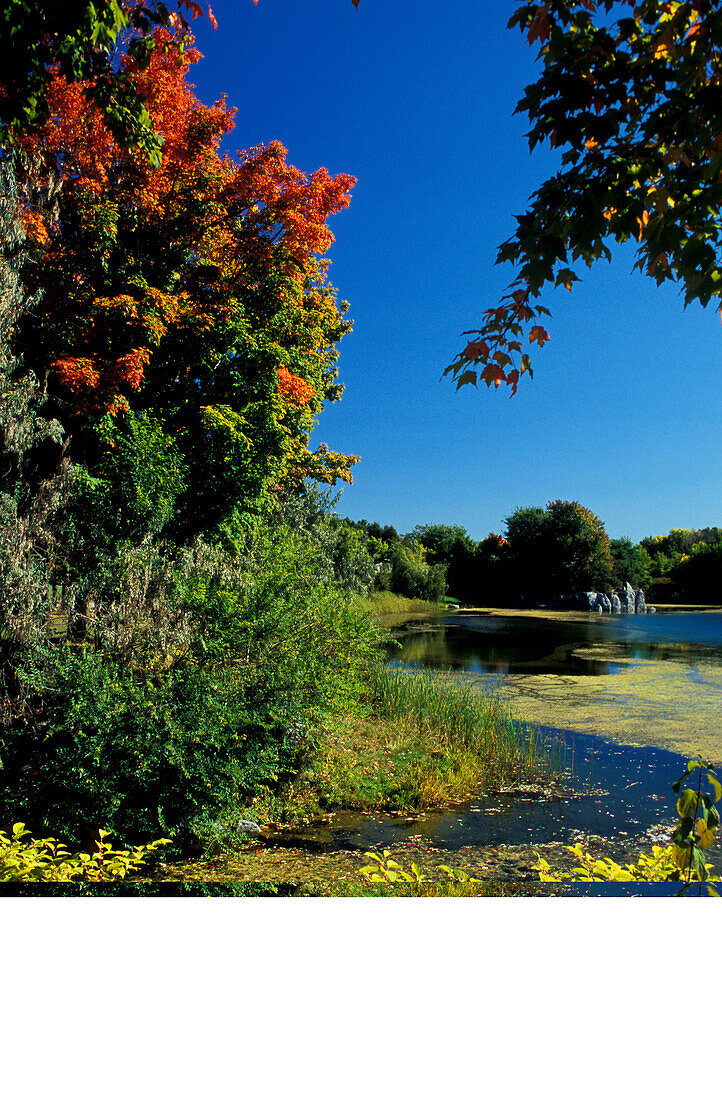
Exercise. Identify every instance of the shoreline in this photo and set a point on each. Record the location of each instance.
(670, 704)
(574, 616)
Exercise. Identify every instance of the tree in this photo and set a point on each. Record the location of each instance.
(450, 546)
(634, 107)
(188, 299)
(412, 575)
(77, 40)
(562, 548)
(630, 562)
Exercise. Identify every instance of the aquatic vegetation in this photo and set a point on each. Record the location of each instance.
(462, 717)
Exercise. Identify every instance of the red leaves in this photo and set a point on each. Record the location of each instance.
(539, 335)
(192, 7)
(475, 350)
(539, 26)
(497, 345)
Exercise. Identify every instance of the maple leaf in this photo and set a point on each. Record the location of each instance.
(539, 335)
(539, 26)
(476, 349)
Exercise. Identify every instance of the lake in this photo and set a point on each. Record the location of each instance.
(647, 679)
(499, 644)
(609, 672)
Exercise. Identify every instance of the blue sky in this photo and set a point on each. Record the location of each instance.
(416, 99)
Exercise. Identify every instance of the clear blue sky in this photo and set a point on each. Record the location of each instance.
(416, 99)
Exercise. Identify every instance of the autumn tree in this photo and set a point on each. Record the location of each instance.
(78, 40)
(189, 299)
(633, 105)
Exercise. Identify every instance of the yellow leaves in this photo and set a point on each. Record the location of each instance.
(642, 222)
(591, 143)
(706, 833)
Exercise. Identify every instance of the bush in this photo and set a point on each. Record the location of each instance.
(23, 859)
(201, 686)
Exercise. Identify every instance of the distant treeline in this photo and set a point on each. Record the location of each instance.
(543, 553)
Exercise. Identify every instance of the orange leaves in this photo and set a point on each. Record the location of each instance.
(128, 370)
(79, 375)
(292, 207)
(95, 385)
(294, 389)
(34, 225)
(539, 335)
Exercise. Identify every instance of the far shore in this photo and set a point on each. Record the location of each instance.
(574, 616)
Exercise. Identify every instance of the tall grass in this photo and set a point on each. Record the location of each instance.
(460, 716)
(390, 603)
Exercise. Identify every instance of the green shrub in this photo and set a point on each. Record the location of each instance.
(195, 693)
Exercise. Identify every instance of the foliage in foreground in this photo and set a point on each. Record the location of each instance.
(633, 106)
(201, 687)
(389, 871)
(25, 859)
(683, 861)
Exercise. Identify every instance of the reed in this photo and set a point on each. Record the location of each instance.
(462, 717)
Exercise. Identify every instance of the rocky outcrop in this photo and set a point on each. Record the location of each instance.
(628, 600)
(622, 601)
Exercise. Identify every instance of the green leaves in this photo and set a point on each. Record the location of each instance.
(633, 105)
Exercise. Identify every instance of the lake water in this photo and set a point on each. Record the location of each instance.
(506, 645)
(616, 792)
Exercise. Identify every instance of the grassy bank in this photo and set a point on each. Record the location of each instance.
(388, 603)
(423, 743)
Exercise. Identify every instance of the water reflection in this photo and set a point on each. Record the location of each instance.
(517, 645)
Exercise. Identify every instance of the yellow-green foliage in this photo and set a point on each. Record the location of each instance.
(387, 871)
(27, 860)
(683, 861)
(390, 603)
(659, 865)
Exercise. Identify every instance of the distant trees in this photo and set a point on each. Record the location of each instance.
(630, 563)
(546, 552)
(563, 548)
